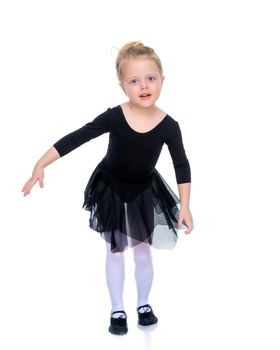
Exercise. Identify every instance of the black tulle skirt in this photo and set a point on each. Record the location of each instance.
(126, 214)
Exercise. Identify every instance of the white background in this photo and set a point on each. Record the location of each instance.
(219, 288)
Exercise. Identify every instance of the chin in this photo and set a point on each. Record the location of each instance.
(145, 104)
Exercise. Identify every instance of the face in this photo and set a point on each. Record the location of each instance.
(141, 81)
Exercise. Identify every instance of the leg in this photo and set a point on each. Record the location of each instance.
(115, 282)
(115, 275)
(143, 272)
(144, 279)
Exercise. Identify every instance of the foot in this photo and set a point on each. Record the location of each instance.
(146, 316)
(118, 323)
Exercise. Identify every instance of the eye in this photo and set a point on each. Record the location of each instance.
(151, 78)
(133, 81)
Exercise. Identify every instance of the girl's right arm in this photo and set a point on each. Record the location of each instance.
(66, 144)
(38, 172)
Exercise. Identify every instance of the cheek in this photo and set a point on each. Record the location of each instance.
(133, 90)
(157, 87)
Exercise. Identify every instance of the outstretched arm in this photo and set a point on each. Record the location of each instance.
(66, 144)
(38, 172)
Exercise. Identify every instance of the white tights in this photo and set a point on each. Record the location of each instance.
(115, 275)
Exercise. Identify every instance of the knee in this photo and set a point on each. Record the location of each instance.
(115, 258)
(142, 255)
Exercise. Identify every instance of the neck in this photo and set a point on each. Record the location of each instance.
(143, 110)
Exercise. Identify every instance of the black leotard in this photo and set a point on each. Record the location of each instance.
(131, 155)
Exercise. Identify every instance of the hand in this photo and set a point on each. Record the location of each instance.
(185, 215)
(37, 175)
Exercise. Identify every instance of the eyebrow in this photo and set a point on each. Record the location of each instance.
(137, 76)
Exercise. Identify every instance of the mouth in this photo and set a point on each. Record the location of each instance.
(145, 96)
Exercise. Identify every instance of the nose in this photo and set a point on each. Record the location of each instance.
(144, 84)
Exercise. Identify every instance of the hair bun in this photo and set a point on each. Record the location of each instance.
(135, 44)
(131, 46)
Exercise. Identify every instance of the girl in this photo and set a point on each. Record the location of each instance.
(130, 203)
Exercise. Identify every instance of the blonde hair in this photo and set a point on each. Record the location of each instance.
(132, 49)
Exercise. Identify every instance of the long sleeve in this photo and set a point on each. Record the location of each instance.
(95, 128)
(178, 155)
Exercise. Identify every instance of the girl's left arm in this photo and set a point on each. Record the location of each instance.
(183, 174)
(184, 193)
(185, 213)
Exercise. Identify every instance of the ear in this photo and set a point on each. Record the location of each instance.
(162, 79)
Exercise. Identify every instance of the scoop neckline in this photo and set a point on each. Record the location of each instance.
(137, 132)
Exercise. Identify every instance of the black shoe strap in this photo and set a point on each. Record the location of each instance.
(146, 307)
(120, 311)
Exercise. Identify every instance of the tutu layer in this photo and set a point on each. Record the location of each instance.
(126, 214)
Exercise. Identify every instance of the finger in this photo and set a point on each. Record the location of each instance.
(27, 190)
(31, 183)
(25, 185)
(190, 228)
(182, 220)
(41, 182)
(26, 193)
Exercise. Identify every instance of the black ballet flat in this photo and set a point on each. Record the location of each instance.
(118, 326)
(147, 317)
